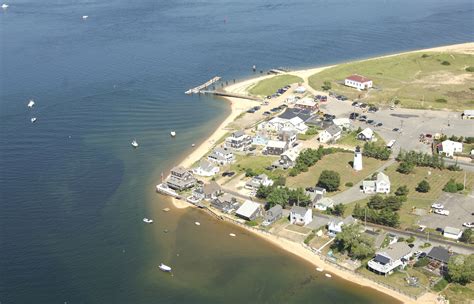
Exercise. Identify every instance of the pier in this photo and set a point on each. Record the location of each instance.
(203, 86)
(227, 94)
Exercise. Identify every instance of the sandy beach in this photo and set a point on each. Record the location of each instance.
(238, 106)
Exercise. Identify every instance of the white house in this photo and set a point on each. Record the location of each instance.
(452, 233)
(331, 134)
(257, 181)
(324, 203)
(206, 168)
(367, 134)
(289, 135)
(449, 147)
(276, 124)
(249, 210)
(388, 259)
(300, 215)
(335, 226)
(221, 156)
(275, 147)
(380, 185)
(342, 122)
(238, 141)
(467, 114)
(359, 82)
(287, 158)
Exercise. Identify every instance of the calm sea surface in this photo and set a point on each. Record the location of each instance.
(73, 192)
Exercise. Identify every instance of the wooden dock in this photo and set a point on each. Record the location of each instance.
(203, 86)
(227, 94)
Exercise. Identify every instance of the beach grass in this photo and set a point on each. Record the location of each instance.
(457, 293)
(338, 162)
(270, 85)
(417, 80)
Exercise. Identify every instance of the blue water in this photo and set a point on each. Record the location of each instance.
(73, 192)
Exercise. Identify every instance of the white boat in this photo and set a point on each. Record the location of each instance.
(147, 220)
(197, 223)
(134, 144)
(319, 269)
(232, 234)
(31, 103)
(33, 119)
(328, 275)
(173, 133)
(4, 6)
(85, 17)
(164, 268)
(193, 145)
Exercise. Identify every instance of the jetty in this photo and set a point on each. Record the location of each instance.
(227, 94)
(203, 86)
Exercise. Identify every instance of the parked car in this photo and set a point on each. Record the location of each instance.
(395, 129)
(251, 111)
(266, 113)
(355, 104)
(363, 105)
(256, 108)
(442, 212)
(370, 121)
(353, 115)
(379, 124)
(373, 109)
(437, 206)
(469, 225)
(228, 173)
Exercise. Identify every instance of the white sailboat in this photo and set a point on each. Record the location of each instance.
(31, 103)
(164, 268)
(33, 119)
(173, 133)
(85, 17)
(134, 144)
(4, 6)
(147, 220)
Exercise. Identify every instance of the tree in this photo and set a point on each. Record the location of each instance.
(467, 236)
(263, 191)
(352, 241)
(461, 269)
(329, 180)
(405, 167)
(337, 210)
(326, 85)
(393, 203)
(423, 186)
(376, 202)
(451, 186)
(402, 191)
(298, 197)
(279, 196)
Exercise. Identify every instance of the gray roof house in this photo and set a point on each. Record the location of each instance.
(180, 179)
(367, 134)
(226, 203)
(221, 156)
(300, 215)
(390, 258)
(238, 141)
(257, 181)
(332, 133)
(273, 214)
(211, 190)
(335, 226)
(440, 254)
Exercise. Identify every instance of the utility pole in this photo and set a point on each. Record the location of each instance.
(365, 218)
(464, 179)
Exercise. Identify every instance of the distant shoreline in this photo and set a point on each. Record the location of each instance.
(238, 106)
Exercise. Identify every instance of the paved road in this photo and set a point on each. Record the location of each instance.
(354, 194)
(465, 166)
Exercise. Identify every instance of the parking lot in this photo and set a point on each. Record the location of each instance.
(460, 209)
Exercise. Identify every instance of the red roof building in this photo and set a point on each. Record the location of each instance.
(358, 82)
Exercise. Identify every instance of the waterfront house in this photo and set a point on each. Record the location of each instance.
(225, 203)
(290, 113)
(275, 147)
(440, 254)
(272, 215)
(452, 233)
(449, 147)
(359, 82)
(367, 135)
(287, 159)
(260, 139)
(211, 190)
(467, 114)
(300, 215)
(249, 210)
(180, 179)
(323, 203)
(331, 134)
(206, 168)
(288, 135)
(221, 156)
(343, 123)
(276, 124)
(238, 141)
(306, 104)
(335, 225)
(380, 185)
(388, 259)
(260, 180)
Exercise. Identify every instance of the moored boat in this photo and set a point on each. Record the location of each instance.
(164, 268)
(31, 103)
(33, 119)
(173, 133)
(4, 6)
(134, 144)
(147, 220)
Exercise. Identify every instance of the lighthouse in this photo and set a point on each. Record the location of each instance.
(357, 164)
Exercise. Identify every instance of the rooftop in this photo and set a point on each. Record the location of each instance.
(276, 144)
(452, 230)
(440, 254)
(358, 78)
(248, 208)
(395, 251)
(298, 210)
(211, 188)
(333, 130)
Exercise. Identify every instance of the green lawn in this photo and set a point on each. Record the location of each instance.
(271, 85)
(338, 162)
(350, 140)
(417, 81)
(257, 164)
(460, 294)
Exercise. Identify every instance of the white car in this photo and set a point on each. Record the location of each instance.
(469, 225)
(442, 211)
(437, 206)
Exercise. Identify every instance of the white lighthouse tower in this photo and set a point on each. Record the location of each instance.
(357, 165)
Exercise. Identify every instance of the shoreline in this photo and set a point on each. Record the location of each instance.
(238, 106)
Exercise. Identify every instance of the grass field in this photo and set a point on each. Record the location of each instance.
(257, 164)
(460, 294)
(271, 85)
(350, 140)
(338, 162)
(417, 80)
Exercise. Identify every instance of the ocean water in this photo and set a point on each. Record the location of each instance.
(73, 191)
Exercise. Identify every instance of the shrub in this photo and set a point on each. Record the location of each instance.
(397, 101)
(249, 172)
(470, 69)
(451, 186)
(251, 223)
(422, 262)
(401, 239)
(441, 100)
(425, 56)
(329, 180)
(402, 191)
(467, 236)
(410, 240)
(406, 167)
(326, 85)
(454, 167)
(445, 62)
(423, 187)
(349, 184)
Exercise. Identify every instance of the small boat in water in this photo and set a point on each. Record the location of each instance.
(33, 119)
(197, 223)
(85, 17)
(134, 144)
(31, 103)
(193, 145)
(164, 268)
(173, 133)
(147, 220)
(232, 234)
(328, 275)
(320, 269)
(4, 6)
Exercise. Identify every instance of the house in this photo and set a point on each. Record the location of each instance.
(276, 124)
(324, 203)
(452, 233)
(331, 134)
(260, 139)
(290, 113)
(221, 156)
(226, 203)
(275, 147)
(390, 258)
(359, 82)
(300, 215)
(211, 191)
(449, 147)
(288, 135)
(440, 254)
(238, 141)
(343, 123)
(380, 185)
(206, 168)
(467, 114)
(287, 159)
(306, 104)
(180, 179)
(335, 226)
(290, 99)
(300, 90)
(249, 210)
(273, 214)
(367, 134)
(257, 181)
